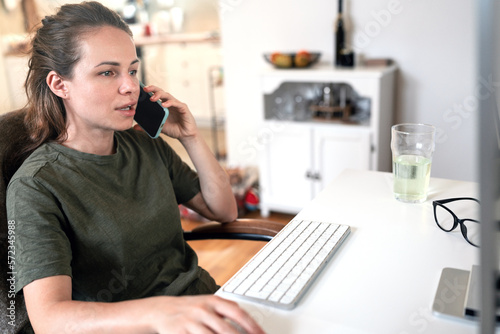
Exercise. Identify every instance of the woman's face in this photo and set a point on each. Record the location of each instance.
(104, 89)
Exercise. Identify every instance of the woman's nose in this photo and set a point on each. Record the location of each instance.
(129, 85)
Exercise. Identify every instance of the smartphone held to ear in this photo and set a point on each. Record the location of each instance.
(151, 116)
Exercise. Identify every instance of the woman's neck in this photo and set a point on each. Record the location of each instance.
(99, 143)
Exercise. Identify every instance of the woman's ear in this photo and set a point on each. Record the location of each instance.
(57, 85)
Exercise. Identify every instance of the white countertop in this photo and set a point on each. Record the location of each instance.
(383, 279)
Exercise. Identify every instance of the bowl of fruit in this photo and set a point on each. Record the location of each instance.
(300, 59)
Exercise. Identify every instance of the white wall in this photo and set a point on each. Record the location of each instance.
(433, 43)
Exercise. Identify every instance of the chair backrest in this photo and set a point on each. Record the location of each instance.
(13, 136)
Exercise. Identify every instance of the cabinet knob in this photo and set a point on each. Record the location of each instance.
(313, 176)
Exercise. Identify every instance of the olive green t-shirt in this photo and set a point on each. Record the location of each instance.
(111, 222)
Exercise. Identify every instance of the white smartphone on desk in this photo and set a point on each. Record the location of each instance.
(151, 116)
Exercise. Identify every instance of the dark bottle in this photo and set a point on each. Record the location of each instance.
(339, 35)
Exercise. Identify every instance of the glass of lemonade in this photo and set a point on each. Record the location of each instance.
(412, 147)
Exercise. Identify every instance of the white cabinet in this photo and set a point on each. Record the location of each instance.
(285, 162)
(185, 69)
(299, 158)
(337, 148)
(14, 97)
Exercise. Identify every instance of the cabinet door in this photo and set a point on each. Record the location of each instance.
(188, 66)
(285, 161)
(16, 70)
(339, 148)
(185, 76)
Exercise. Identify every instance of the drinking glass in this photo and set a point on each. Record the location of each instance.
(412, 147)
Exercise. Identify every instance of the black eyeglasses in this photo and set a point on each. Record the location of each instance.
(448, 221)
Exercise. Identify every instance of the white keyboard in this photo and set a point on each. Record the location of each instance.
(281, 272)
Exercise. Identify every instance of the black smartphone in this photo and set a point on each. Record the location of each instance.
(150, 116)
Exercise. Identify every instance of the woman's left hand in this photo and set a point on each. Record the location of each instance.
(180, 122)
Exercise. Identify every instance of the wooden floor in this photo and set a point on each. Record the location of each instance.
(223, 258)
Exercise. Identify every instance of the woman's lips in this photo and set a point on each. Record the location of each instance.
(127, 110)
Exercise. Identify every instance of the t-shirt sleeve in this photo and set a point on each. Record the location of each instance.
(42, 248)
(185, 181)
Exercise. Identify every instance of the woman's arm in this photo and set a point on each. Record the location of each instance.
(51, 310)
(216, 200)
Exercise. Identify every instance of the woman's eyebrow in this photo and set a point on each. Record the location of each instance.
(114, 63)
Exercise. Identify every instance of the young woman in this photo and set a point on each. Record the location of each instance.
(99, 243)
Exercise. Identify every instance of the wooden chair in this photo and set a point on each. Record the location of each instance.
(13, 136)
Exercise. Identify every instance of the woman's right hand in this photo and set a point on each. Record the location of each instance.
(51, 310)
(201, 314)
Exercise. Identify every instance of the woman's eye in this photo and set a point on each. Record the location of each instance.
(107, 73)
(133, 72)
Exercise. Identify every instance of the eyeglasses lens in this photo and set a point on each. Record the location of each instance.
(473, 233)
(444, 218)
(468, 211)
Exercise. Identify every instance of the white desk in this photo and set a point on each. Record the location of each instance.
(384, 277)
